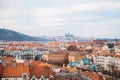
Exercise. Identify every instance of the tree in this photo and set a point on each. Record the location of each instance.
(72, 48)
(113, 67)
(90, 51)
(100, 68)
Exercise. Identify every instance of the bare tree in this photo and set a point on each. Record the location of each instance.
(113, 67)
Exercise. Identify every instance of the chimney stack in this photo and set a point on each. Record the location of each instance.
(13, 63)
(4, 64)
(0, 60)
(26, 63)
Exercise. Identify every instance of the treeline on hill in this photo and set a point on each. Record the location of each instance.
(9, 35)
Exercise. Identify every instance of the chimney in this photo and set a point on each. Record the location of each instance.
(4, 64)
(14, 63)
(26, 63)
(0, 60)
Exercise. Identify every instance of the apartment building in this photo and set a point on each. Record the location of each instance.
(58, 57)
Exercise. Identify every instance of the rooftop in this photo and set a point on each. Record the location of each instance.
(38, 69)
(10, 71)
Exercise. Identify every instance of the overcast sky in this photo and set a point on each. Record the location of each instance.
(84, 18)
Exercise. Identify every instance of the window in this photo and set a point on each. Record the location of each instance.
(24, 75)
(33, 78)
(42, 77)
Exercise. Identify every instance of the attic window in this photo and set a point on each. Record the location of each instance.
(24, 75)
(33, 78)
(0, 60)
(42, 77)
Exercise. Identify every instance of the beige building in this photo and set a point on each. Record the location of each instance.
(45, 56)
(58, 57)
(74, 56)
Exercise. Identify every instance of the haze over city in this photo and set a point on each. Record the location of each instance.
(83, 18)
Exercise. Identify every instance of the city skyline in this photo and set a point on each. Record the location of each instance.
(83, 18)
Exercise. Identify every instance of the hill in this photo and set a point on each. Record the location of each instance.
(10, 35)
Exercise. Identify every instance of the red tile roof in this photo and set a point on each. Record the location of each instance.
(116, 56)
(0, 68)
(38, 69)
(17, 71)
(52, 43)
(7, 59)
(13, 46)
(117, 43)
(92, 75)
(70, 69)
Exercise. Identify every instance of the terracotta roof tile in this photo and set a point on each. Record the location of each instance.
(52, 43)
(38, 69)
(117, 43)
(92, 75)
(116, 56)
(13, 46)
(70, 69)
(10, 71)
(0, 68)
(7, 59)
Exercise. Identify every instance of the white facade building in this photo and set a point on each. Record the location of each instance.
(103, 61)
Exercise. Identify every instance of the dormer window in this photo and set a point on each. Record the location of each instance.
(4, 64)
(24, 75)
(0, 60)
(33, 78)
(42, 77)
(50, 76)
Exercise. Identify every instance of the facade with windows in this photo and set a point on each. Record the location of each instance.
(107, 61)
(23, 54)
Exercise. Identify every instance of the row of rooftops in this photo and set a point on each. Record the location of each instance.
(57, 46)
(57, 43)
(37, 69)
(105, 53)
(116, 56)
(11, 68)
(49, 44)
(100, 52)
